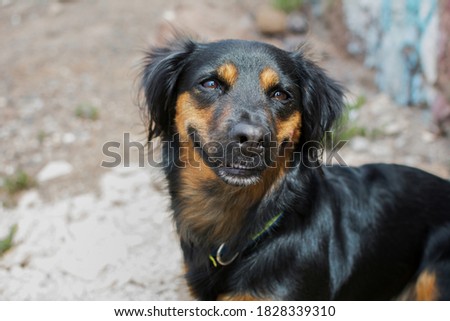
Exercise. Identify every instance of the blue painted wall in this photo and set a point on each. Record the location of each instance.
(399, 39)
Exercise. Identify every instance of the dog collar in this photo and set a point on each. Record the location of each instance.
(219, 258)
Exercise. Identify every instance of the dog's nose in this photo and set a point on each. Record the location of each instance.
(248, 133)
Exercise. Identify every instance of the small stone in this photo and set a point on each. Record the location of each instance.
(29, 200)
(68, 138)
(393, 129)
(297, 22)
(169, 15)
(53, 170)
(428, 137)
(271, 21)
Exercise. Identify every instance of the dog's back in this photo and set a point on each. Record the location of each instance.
(397, 221)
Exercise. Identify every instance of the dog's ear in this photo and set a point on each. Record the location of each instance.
(321, 105)
(322, 99)
(162, 69)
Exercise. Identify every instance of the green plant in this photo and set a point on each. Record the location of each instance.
(41, 136)
(351, 132)
(345, 130)
(288, 5)
(7, 242)
(87, 111)
(17, 182)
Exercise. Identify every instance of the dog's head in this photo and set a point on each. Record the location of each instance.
(242, 106)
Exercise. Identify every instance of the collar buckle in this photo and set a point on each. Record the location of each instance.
(220, 259)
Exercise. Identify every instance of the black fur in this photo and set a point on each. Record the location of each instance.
(363, 233)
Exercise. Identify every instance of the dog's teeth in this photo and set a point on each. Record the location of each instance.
(239, 166)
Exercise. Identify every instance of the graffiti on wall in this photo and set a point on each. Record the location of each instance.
(399, 39)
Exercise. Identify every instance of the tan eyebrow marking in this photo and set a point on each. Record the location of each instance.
(268, 78)
(228, 73)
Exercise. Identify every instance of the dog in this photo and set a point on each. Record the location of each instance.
(259, 217)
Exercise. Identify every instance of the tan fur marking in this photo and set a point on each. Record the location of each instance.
(426, 287)
(228, 73)
(219, 217)
(268, 78)
(289, 129)
(187, 114)
(238, 297)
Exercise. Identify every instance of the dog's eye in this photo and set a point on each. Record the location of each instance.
(280, 95)
(210, 84)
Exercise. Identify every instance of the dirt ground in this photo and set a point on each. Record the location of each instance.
(69, 85)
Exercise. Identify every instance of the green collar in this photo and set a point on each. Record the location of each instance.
(218, 260)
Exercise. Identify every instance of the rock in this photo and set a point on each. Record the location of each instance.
(169, 15)
(271, 21)
(428, 137)
(394, 128)
(53, 170)
(68, 138)
(29, 200)
(297, 22)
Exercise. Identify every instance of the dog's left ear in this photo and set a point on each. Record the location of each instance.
(162, 69)
(322, 99)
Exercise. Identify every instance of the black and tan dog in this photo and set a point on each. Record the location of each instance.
(258, 218)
